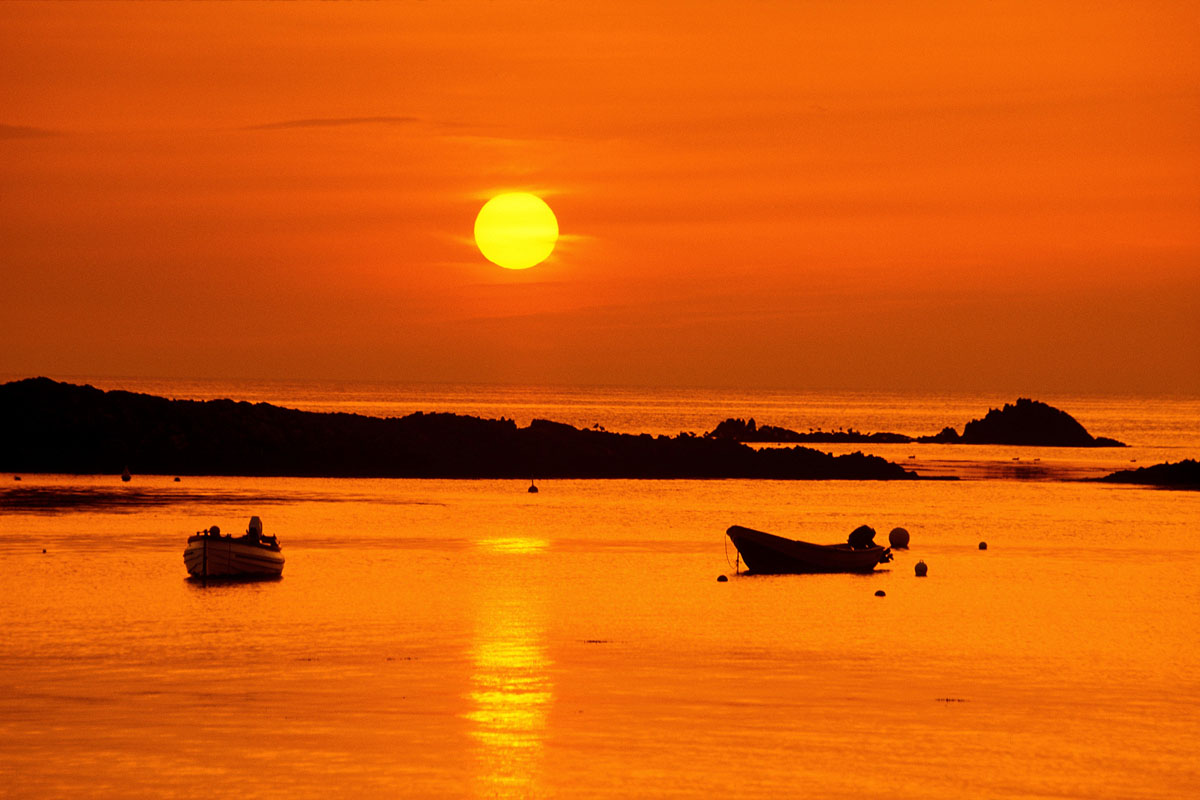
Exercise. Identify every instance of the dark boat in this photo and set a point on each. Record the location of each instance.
(766, 553)
(211, 554)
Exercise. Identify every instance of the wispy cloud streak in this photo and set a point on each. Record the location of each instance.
(24, 132)
(332, 122)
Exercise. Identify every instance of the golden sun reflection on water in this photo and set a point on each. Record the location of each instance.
(510, 692)
(514, 544)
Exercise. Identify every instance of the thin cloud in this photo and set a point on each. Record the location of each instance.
(24, 132)
(332, 122)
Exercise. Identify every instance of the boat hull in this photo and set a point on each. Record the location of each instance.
(766, 553)
(224, 557)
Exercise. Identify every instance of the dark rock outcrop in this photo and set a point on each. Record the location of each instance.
(1026, 422)
(740, 430)
(1183, 474)
(46, 426)
(946, 435)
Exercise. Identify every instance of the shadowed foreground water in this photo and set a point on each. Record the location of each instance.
(467, 639)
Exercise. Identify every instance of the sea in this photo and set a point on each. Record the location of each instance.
(471, 639)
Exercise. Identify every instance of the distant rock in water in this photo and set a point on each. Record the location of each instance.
(1027, 422)
(946, 435)
(740, 430)
(52, 427)
(1184, 475)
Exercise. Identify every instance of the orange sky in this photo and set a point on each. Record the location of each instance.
(939, 196)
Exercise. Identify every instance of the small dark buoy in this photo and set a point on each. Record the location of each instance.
(721, 579)
(177, 479)
(43, 549)
(16, 477)
(921, 569)
(881, 593)
(533, 488)
(983, 545)
(125, 476)
(898, 538)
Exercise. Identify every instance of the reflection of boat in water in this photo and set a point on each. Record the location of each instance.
(767, 553)
(211, 554)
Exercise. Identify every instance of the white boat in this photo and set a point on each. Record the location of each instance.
(212, 554)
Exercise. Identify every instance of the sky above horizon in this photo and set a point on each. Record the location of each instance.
(928, 196)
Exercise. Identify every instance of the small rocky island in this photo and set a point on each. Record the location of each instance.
(740, 430)
(1026, 422)
(52, 427)
(1181, 475)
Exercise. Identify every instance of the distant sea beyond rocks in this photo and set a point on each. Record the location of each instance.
(52, 427)
(1026, 422)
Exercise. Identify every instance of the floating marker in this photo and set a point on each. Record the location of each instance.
(898, 538)
(881, 593)
(921, 569)
(983, 545)
(721, 579)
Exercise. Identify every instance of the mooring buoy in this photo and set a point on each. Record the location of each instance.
(921, 569)
(881, 593)
(722, 579)
(983, 545)
(898, 538)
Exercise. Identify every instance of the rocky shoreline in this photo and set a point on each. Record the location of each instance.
(52, 427)
(1026, 422)
(1179, 475)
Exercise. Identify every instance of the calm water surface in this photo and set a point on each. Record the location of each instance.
(468, 639)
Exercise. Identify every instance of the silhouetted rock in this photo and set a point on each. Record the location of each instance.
(947, 435)
(1027, 422)
(739, 430)
(46, 426)
(1184, 474)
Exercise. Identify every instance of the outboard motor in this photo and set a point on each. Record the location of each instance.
(862, 537)
(255, 529)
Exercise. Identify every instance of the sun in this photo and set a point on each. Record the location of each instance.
(516, 230)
